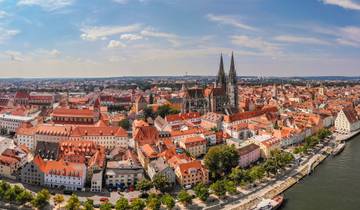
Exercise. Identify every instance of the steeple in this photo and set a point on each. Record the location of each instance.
(232, 72)
(221, 78)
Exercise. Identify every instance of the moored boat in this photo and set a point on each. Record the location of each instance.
(270, 204)
(339, 148)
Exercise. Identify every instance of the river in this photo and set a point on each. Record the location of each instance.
(334, 185)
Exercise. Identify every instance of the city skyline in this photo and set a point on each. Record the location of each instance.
(73, 38)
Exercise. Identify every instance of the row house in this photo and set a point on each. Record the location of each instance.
(161, 167)
(244, 117)
(54, 174)
(145, 135)
(191, 173)
(12, 159)
(240, 131)
(80, 151)
(146, 154)
(123, 173)
(248, 154)
(74, 116)
(106, 136)
(176, 121)
(288, 136)
(267, 143)
(195, 146)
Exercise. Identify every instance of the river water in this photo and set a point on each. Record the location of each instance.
(334, 185)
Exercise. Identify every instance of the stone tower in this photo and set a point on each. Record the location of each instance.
(221, 77)
(232, 89)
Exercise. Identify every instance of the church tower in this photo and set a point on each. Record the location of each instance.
(232, 88)
(221, 77)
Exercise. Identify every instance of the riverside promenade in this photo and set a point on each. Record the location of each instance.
(280, 185)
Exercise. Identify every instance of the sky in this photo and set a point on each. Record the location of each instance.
(108, 38)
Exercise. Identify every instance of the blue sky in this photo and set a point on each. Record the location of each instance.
(65, 38)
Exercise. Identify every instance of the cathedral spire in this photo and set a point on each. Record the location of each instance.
(221, 78)
(232, 72)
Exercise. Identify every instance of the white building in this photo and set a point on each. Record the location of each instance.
(107, 136)
(66, 175)
(123, 173)
(96, 182)
(10, 123)
(347, 121)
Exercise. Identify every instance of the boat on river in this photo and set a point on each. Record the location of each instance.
(270, 204)
(339, 148)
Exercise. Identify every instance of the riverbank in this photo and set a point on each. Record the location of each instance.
(346, 137)
(282, 185)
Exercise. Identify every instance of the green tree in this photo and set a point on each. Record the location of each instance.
(257, 172)
(106, 206)
(166, 110)
(161, 182)
(4, 186)
(238, 175)
(125, 124)
(10, 194)
(184, 197)
(218, 188)
(41, 199)
(88, 204)
(220, 160)
(58, 199)
(153, 202)
(73, 203)
(144, 185)
(122, 204)
(201, 191)
(168, 201)
(230, 187)
(137, 204)
(24, 197)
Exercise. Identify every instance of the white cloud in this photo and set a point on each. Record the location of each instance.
(130, 37)
(349, 36)
(150, 32)
(170, 37)
(346, 4)
(14, 55)
(44, 53)
(114, 44)
(49, 5)
(300, 40)
(257, 44)
(6, 34)
(228, 20)
(102, 32)
(347, 42)
(3, 14)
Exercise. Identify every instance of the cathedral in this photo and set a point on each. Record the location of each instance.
(221, 97)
